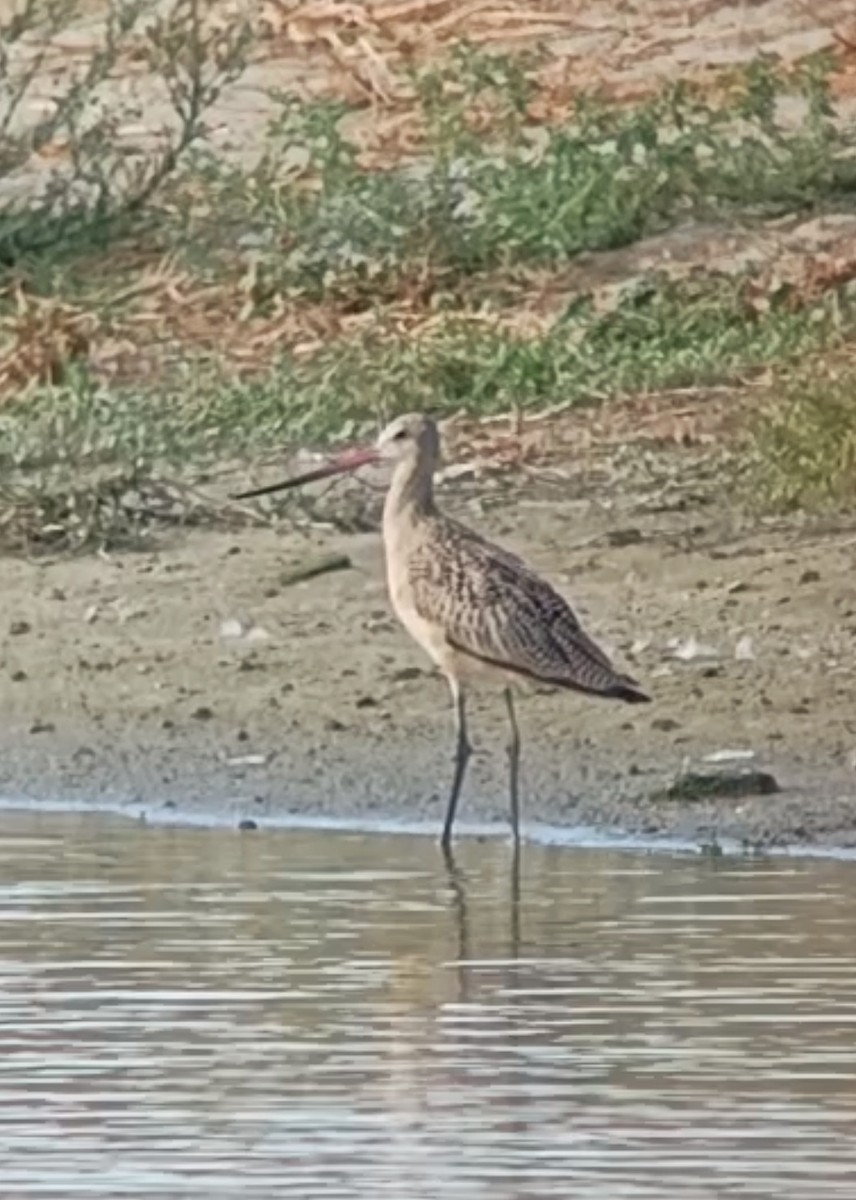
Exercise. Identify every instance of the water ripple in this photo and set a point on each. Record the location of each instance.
(325, 1015)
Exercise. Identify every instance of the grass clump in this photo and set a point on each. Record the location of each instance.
(803, 443)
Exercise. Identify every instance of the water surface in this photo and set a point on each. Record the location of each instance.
(190, 1012)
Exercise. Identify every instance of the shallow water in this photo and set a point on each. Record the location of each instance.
(188, 1012)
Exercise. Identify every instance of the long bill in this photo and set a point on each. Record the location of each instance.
(348, 460)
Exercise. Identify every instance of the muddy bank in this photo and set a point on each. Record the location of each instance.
(199, 678)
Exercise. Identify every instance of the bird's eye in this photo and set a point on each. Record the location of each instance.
(400, 436)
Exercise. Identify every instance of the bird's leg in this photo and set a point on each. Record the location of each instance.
(513, 767)
(463, 750)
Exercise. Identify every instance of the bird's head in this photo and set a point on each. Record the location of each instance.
(411, 438)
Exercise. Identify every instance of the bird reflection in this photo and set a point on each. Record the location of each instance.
(460, 892)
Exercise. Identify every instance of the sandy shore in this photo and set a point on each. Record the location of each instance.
(197, 679)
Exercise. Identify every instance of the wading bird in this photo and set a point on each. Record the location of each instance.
(476, 609)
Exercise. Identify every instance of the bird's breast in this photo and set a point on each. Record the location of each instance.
(428, 634)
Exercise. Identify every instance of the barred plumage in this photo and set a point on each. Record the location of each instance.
(470, 604)
(494, 608)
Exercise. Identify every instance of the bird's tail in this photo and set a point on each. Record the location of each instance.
(628, 690)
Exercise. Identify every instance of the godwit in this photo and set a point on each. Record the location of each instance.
(473, 607)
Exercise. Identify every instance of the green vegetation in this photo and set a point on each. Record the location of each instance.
(519, 194)
(804, 441)
(406, 282)
(658, 335)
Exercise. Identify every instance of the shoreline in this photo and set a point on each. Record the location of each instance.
(537, 835)
(197, 680)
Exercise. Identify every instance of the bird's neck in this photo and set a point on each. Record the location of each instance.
(411, 493)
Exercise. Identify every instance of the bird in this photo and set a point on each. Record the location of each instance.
(477, 610)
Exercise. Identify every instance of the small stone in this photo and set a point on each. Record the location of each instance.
(405, 674)
(166, 723)
(743, 651)
(720, 785)
(203, 713)
(624, 537)
(366, 702)
(334, 726)
(724, 756)
(247, 823)
(665, 724)
(243, 736)
(19, 676)
(17, 628)
(691, 649)
(810, 576)
(42, 727)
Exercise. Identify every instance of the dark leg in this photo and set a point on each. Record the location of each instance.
(513, 767)
(457, 884)
(463, 750)
(514, 948)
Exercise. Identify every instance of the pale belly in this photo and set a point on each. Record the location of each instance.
(432, 639)
(426, 634)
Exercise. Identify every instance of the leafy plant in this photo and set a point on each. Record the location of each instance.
(101, 184)
(520, 193)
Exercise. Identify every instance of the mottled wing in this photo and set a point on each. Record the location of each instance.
(492, 606)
